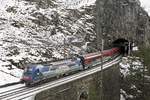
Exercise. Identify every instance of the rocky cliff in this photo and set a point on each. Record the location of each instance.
(122, 19)
(36, 30)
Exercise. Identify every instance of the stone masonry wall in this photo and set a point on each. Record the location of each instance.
(87, 88)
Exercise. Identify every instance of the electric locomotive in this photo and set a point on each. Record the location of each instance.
(35, 73)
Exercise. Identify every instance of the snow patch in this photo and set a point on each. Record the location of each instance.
(6, 3)
(122, 97)
(76, 4)
(146, 5)
(7, 78)
(135, 49)
(9, 73)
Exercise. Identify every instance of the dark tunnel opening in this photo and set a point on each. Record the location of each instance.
(123, 44)
(83, 96)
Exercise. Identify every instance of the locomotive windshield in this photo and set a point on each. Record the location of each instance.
(28, 71)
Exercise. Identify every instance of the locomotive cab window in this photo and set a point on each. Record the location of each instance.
(38, 72)
(27, 71)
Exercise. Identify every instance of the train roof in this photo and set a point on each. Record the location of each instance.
(91, 54)
(55, 64)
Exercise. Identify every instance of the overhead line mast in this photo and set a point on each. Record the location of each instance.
(102, 48)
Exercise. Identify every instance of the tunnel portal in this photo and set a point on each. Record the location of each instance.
(123, 44)
(83, 96)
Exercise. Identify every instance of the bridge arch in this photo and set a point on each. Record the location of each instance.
(123, 44)
(84, 95)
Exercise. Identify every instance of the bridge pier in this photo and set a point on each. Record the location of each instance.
(87, 88)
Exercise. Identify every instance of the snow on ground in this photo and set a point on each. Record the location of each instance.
(122, 97)
(124, 66)
(7, 78)
(76, 4)
(135, 48)
(10, 69)
(146, 5)
(9, 73)
(6, 3)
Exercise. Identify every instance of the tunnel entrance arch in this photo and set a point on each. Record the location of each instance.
(84, 95)
(123, 44)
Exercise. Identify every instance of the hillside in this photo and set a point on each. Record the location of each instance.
(36, 31)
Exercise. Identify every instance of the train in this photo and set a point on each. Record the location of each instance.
(36, 73)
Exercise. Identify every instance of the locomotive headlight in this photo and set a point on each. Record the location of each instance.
(27, 78)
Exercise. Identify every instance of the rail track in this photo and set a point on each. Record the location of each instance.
(24, 92)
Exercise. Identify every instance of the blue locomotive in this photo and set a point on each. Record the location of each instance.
(35, 73)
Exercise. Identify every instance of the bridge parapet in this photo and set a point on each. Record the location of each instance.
(87, 88)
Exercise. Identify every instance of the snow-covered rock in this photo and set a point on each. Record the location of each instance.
(146, 5)
(76, 4)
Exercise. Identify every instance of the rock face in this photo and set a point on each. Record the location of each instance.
(39, 30)
(122, 19)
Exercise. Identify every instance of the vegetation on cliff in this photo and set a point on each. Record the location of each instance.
(135, 84)
(144, 54)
